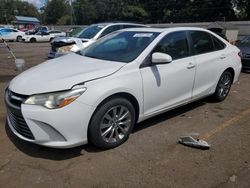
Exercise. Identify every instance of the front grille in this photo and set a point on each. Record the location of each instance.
(247, 55)
(16, 99)
(18, 123)
(13, 103)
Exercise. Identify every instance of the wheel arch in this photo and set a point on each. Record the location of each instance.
(33, 39)
(131, 98)
(231, 70)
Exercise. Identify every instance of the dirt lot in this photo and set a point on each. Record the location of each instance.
(150, 158)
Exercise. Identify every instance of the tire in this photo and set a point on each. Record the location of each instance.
(19, 39)
(112, 123)
(51, 39)
(223, 87)
(32, 40)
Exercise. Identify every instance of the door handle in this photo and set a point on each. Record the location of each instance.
(190, 66)
(222, 56)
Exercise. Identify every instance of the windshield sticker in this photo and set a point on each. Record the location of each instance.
(101, 26)
(143, 35)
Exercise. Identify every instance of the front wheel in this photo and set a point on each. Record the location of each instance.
(223, 86)
(32, 40)
(112, 123)
(19, 39)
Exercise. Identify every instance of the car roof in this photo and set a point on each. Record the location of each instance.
(161, 30)
(117, 23)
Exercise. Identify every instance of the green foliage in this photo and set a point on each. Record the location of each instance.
(134, 13)
(243, 9)
(54, 10)
(11, 8)
(85, 11)
(146, 11)
(64, 20)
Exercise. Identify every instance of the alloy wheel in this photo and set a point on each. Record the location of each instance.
(115, 124)
(224, 85)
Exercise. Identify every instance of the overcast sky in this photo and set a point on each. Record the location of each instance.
(37, 3)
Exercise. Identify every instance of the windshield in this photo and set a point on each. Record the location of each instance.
(90, 31)
(120, 46)
(245, 41)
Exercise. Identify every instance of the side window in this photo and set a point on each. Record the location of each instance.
(174, 44)
(202, 42)
(110, 30)
(7, 30)
(218, 44)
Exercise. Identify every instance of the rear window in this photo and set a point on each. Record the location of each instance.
(202, 42)
(218, 44)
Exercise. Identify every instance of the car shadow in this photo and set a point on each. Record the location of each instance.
(46, 152)
(180, 111)
(64, 154)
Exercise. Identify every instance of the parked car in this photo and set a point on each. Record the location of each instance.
(42, 29)
(244, 46)
(64, 45)
(11, 34)
(98, 94)
(39, 37)
(57, 33)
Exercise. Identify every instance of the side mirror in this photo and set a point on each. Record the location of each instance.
(161, 58)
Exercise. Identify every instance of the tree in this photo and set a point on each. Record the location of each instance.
(134, 13)
(85, 11)
(11, 8)
(243, 9)
(54, 10)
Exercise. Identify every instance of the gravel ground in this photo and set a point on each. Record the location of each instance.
(150, 158)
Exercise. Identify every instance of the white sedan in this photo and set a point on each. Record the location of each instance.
(98, 94)
(57, 33)
(39, 37)
(11, 34)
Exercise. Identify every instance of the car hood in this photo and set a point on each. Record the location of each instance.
(62, 73)
(67, 40)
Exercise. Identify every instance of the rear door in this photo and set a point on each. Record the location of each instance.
(210, 57)
(168, 85)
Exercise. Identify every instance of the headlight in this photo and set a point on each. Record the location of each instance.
(56, 99)
(64, 49)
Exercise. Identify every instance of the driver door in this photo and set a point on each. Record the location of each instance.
(169, 85)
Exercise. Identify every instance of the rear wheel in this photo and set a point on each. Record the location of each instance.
(32, 40)
(223, 86)
(19, 39)
(112, 123)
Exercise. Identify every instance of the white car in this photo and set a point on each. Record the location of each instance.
(39, 37)
(64, 45)
(99, 94)
(57, 33)
(11, 34)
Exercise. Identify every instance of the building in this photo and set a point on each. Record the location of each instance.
(25, 23)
